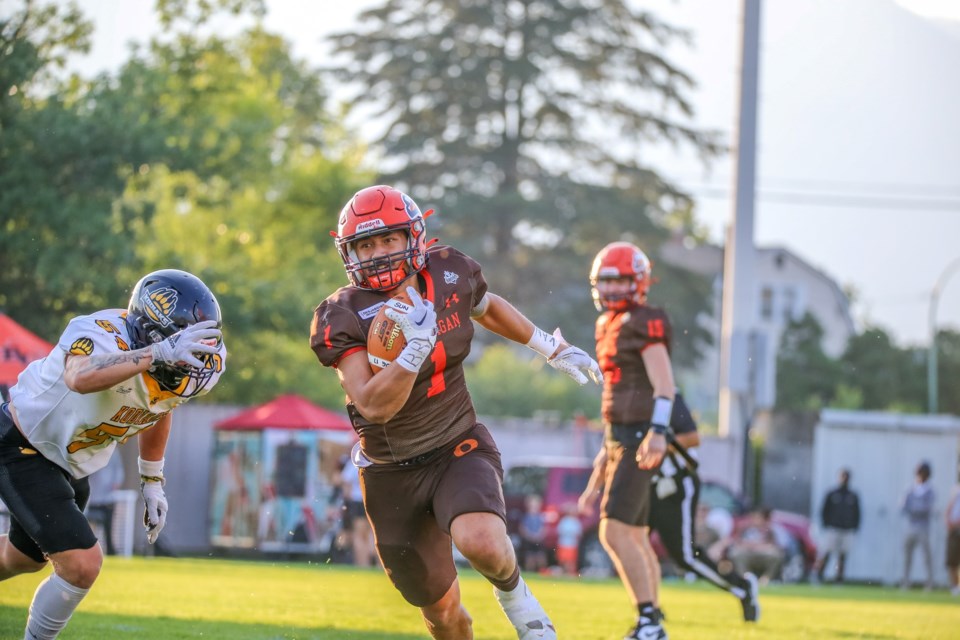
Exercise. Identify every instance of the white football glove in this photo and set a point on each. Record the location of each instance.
(574, 361)
(181, 346)
(419, 327)
(155, 508)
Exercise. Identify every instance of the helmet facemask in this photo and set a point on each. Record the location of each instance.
(615, 301)
(384, 272)
(163, 303)
(373, 211)
(183, 380)
(615, 261)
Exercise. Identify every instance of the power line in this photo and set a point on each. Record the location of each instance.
(839, 200)
(914, 189)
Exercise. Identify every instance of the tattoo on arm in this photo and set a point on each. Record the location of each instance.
(97, 363)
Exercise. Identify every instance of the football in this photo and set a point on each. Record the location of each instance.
(385, 340)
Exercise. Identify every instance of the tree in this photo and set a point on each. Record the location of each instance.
(524, 123)
(807, 378)
(204, 152)
(57, 175)
(948, 345)
(503, 370)
(885, 376)
(243, 193)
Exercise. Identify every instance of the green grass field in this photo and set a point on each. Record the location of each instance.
(164, 599)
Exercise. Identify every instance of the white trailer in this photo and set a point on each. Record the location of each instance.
(882, 451)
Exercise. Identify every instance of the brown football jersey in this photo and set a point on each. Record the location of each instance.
(439, 407)
(621, 339)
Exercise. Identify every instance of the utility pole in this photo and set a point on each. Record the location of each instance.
(736, 401)
(932, 381)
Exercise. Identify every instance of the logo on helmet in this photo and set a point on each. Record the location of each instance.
(367, 225)
(158, 304)
(638, 266)
(413, 211)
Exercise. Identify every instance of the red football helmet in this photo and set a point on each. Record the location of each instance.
(620, 260)
(376, 210)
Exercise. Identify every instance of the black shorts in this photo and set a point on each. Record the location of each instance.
(45, 503)
(953, 548)
(353, 509)
(626, 494)
(411, 508)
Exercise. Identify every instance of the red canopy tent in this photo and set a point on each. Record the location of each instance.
(275, 468)
(287, 412)
(18, 348)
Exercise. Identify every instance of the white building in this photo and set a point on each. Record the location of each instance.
(786, 288)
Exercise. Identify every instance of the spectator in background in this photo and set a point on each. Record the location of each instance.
(355, 517)
(532, 530)
(569, 530)
(102, 501)
(953, 541)
(918, 507)
(840, 518)
(753, 547)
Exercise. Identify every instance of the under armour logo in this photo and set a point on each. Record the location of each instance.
(450, 277)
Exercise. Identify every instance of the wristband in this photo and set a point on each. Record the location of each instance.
(150, 470)
(662, 409)
(543, 343)
(658, 429)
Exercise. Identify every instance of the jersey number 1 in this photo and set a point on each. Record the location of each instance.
(439, 360)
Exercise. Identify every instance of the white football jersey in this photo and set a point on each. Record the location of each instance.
(79, 432)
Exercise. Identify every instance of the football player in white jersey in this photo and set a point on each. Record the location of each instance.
(114, 374)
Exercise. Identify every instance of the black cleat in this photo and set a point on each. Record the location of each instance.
(751, 599)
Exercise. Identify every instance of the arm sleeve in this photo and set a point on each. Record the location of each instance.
(681, 420)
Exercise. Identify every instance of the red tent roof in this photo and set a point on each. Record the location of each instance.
(287, 412)
(18, 348)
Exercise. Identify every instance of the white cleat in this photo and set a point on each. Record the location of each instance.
(526, 615)
(646, 629)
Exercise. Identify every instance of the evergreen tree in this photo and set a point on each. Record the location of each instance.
(524, 123)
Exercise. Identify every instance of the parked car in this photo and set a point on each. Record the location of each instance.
(561, 480)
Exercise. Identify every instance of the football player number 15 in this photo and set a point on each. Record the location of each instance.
(439, 359)
(655, 328)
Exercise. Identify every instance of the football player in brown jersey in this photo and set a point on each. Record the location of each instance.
(674, 499)
(430, 472)
(633, 347)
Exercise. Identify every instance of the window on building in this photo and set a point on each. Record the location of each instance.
(789, 304)
(766, 303)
